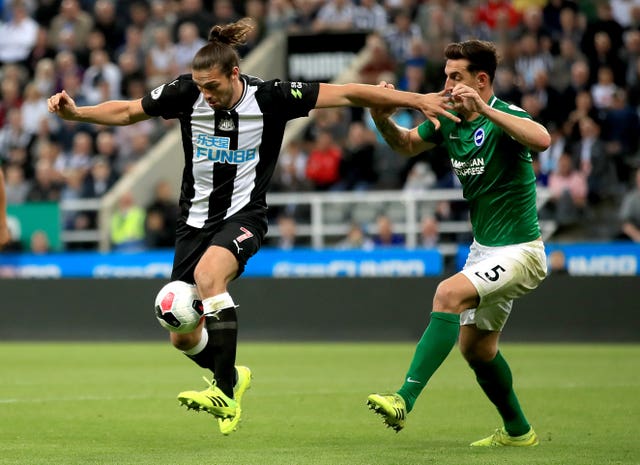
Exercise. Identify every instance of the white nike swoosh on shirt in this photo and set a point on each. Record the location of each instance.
(451, 136)
(411, 380)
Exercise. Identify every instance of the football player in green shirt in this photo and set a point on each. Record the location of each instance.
(489, 150)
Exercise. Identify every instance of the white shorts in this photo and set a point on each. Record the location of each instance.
(501, 274)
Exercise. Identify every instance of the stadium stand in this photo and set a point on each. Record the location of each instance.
(575, 66)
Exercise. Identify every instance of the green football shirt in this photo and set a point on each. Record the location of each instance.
(496, 173)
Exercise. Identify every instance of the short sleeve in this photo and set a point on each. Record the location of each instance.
(171, 100)
(288, 99)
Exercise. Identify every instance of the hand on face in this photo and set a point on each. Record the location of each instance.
(465, 99)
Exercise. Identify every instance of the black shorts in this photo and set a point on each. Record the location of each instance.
(241, 234)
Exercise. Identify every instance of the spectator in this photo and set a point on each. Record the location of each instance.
(107, 148)
(132, 46)
(189, 42)
(568, 188)
(165, 203)
(381, 62)
(560, 72)
(73, 22)
(385, 235)
(99, 180)
(323, 165)
(629, 212)
(469, 27)
(46, 187)
(603, 23)
(531, 60)
(400, 36)
(583, 108)
(79, 157)
(548, 159)
(603, 90)
(12, 134)
(156, 233)
(102, 79)
(34, 110)
(18, 35)
(533, 23)
(420, 178)
(66, 64)
(570, 28)
(44, 76)
(429, 232)
(335, 15)
(10, 98)
(370, 16)
(133, 142)
(16, 186)
(437, 21)
(255, 9)
(39, 243)
(161, 65)
(357, 167)
(161, 14)
(355, 239)
(287, 233)
(127, 225)
(506, 85)
(552, 14)
(72, 190)
(306, 13)
(595, 163)
(280, 16)
(620, 129)
(192, 11)
(290, 172)
(493, 12)
(548, 96)
(557, 263)
(106, 21)
(605, 55)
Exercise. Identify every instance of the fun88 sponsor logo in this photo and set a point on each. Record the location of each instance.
(216, 149)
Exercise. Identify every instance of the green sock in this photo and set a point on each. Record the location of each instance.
(495, 379)
(434, 346)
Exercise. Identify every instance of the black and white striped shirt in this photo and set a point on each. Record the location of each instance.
(230, 155)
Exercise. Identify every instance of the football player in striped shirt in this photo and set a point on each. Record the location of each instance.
(232, 127)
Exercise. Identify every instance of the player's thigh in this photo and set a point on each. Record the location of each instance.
(455, 294)
(191, 244)
(506, 272)
(242, 237)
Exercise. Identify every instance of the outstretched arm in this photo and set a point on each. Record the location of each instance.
(384, 97)
(402, 140)
(111, 113)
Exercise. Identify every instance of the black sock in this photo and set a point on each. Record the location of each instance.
(206, 357)
(223, 338)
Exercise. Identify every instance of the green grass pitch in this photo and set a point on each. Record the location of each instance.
(114, 403)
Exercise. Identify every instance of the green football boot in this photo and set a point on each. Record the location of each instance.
(211, 400)
(391, 407)
(229, 425)
(501, 438)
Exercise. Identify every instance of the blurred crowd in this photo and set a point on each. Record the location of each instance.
(574, 66)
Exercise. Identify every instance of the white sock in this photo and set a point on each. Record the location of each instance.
(199, 347)
(213, 305)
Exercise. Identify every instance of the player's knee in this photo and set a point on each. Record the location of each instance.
(477, 353)
(184, 341)
(446, 298)
(206, 277)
